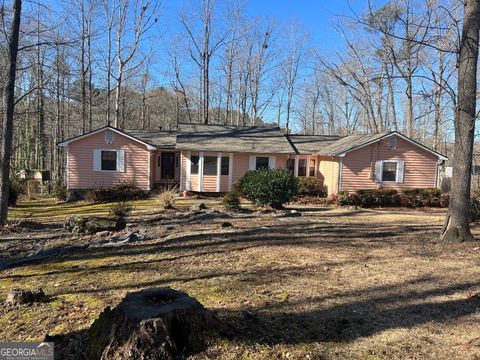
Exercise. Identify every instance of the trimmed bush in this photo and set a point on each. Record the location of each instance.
(269, 187)
(120, 209)
(231, 201)
(344, 198)
(312, 186)
(428, 197)
(377, 197)
(120, 192)
(61, 192)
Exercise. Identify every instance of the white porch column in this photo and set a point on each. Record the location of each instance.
(230, 171)
(200, 171)
(317, 164)
(295, 171)
(188, 168)
(150, 170)
(308, 166)
(219, 170)
(180, 154)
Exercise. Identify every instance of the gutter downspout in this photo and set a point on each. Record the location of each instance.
(340, 169)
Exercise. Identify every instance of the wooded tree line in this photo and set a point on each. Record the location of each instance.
(85, 64)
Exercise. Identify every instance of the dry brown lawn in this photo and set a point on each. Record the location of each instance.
(333, 283)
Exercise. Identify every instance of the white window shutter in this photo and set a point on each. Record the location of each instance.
(378, 170)
(97, 160)
(120, 160)
(400, 171)
(252, 162)
(272, 164)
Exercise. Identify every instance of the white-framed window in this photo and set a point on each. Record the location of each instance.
(262, 162)
(210, 165)
(225, 166)
(312, 168)
(108, 160)
(389, 171)
(257, 162)
(194, 164)
(302, 167)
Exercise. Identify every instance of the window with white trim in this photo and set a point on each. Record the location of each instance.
(108, 160)
(194, 161)
(210, 165)
(312, 167)
(389, 171)
(225, 166)
(262, 162)
(302, 167)
(291, 165)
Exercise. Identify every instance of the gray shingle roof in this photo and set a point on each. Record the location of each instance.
(312, 144)
(160, 139)
(232, 138)
(350, 142)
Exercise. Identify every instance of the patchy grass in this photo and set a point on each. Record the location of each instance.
(333, 283)
(50, 210)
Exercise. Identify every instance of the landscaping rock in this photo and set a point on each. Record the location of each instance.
(129, 237)
(291, 213)
(198, 207)
(159, 323)
(209, 215)
(92, 225)
(22, 297)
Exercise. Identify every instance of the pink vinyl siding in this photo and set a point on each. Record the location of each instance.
(80, 162)
(328, 173)
(358, 167)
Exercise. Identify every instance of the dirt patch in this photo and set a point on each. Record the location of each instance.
(331, 283)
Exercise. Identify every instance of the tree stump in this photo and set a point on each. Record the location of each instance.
(152, 324)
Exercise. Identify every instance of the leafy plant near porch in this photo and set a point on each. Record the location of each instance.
(312, 186)
(269, 187)
(231, 201)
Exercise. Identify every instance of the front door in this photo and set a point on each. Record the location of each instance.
(167, 165)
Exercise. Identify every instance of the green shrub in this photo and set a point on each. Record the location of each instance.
(343, 198)
(377, 197)
(428, 197)
(120, 192)
(312, 186)
(61, 192)
(120, 209)
(231, 201)
(269, 187)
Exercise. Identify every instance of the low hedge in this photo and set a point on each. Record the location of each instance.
(311, 186)
(413, 198)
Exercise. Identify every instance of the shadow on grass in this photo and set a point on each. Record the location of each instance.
(353, 314)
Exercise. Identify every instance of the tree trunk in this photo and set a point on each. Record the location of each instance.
(9, 107)
(457, 221)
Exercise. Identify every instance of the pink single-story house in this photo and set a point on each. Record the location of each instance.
(212, 158)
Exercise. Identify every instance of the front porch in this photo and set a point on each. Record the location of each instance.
(165, 168)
